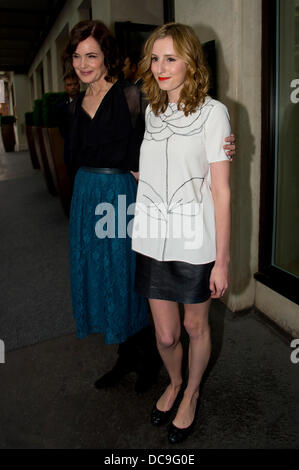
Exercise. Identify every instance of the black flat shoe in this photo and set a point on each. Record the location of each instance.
(161, 417)
(177, 435)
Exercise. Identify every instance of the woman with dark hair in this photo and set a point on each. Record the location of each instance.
(182, 221)
(105, 137)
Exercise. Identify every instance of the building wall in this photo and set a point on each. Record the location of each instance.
(68, 17)
(281, 310)
(102, 11)
(237, 29)
(146, 12)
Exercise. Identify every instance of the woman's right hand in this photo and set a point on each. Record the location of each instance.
(219, 279)
(135, 174)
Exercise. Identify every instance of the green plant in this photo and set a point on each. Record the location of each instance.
(29, 118)
(37, 113)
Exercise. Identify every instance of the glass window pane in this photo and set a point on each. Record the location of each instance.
(286, 227)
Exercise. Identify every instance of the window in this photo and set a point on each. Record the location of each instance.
(286, 204)
(279, 216)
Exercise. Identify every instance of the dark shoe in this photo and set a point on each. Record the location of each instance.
(161, 417)
(177, 435)
(113, 377)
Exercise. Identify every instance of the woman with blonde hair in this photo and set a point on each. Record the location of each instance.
(182, 220)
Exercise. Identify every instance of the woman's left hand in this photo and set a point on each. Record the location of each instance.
(219, 281)
(230, 149)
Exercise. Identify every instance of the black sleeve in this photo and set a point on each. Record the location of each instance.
(134, 144)
(134, 101)
(71, 134)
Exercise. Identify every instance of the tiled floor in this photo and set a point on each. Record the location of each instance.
(15, 165)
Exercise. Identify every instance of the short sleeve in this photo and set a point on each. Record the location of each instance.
(217, 127)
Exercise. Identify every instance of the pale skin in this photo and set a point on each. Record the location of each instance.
(88, 62)
(168, 65)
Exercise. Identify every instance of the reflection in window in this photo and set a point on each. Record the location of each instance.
(286, 227)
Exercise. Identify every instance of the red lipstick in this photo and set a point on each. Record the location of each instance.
(164, 78)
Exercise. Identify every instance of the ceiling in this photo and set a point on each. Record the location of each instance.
(24, 25)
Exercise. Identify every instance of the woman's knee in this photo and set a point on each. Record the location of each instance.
(166, 318)
(196, 328)
(167, 340)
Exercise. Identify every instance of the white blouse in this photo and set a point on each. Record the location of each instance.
(174, 213)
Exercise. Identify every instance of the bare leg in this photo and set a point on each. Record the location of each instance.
(197, 326)
(168, 331)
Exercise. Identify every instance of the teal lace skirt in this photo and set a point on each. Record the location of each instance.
(102, 263)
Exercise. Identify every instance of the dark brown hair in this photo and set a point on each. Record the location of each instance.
(104, 38)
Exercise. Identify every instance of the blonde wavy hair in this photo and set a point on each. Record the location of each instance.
(188, 48)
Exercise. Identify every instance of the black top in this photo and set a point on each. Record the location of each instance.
(112, 138)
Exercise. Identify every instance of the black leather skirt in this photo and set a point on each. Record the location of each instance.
(172, 280)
